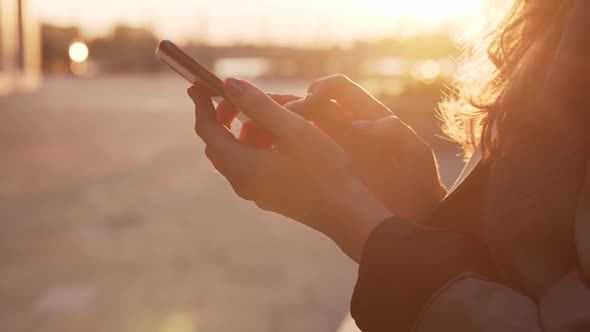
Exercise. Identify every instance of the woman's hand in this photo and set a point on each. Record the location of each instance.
(305, 176)
(394, 162)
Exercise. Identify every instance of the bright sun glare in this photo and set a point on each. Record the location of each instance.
(78, 52)
(306, 22)
(427, 13)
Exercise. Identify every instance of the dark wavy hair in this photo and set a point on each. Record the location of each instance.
(501, 68)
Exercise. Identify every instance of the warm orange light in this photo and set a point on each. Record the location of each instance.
(431, 13)
(78, 52)
(427, 72)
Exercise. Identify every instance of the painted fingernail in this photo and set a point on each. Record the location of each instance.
(234, 87)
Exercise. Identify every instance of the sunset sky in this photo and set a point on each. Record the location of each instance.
(301, 22)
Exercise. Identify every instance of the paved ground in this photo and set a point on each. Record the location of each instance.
(112, 220)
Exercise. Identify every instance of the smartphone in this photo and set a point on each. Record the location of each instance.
(188, 68)
(192, 71)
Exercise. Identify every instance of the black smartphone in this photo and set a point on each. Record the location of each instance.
(192, 71)
(188, 68)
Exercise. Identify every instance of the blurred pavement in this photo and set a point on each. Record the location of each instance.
(111, 219)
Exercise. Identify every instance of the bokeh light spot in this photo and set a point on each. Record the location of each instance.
(427, 71)
(78, 52)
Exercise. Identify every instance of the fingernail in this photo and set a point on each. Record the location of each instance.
(312, 100)
(234, 87)
(362, 124)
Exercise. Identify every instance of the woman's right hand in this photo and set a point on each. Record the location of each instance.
(391, 159)
(305, 176)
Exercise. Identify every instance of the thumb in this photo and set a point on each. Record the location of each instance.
(304, 140)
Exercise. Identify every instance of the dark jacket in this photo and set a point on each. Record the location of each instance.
(510, 249)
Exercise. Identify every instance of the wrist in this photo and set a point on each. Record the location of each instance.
(362, 212)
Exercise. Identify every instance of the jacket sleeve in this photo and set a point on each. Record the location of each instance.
(410, 276)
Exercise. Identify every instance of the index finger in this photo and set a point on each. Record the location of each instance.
(309, 143)
(328, 115)
(348, 94)
(261, 108)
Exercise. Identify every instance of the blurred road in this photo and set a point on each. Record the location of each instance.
(111, 219)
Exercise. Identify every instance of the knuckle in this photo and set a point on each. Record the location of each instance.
(341, 78)
(263, 205)
(242, 191)
(335, 81)
(199, 128)
(209, 152)
(318, 83)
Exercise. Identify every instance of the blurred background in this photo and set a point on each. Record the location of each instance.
(111, 219)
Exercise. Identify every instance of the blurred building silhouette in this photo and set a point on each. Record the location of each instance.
(126, 50)
(55, 43)
(20, 51)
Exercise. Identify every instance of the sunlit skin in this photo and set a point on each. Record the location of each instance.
(326, 165)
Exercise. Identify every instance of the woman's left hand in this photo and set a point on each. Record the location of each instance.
(306, 176)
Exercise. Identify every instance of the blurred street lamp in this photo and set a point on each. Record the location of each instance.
(78, 52)
(79, 55)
